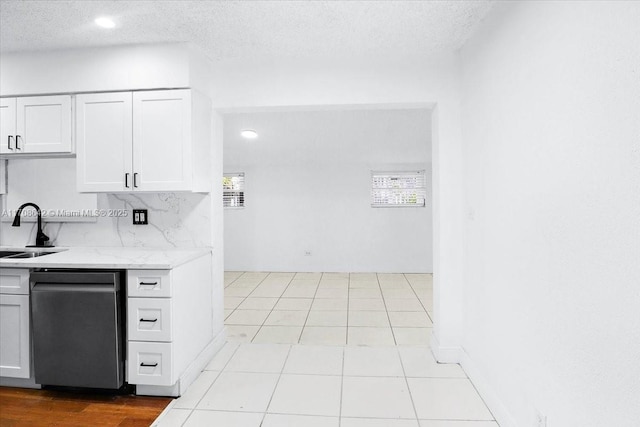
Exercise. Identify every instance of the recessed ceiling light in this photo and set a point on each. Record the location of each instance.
(249, 133)
(105, 22)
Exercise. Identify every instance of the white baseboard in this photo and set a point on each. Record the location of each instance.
(451, 354)
(488, 394)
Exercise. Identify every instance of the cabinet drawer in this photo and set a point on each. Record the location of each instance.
(14, 281)
(149, 283)
(149, 319)
(150, 363)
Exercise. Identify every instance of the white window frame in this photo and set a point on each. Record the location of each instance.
(233, 197)
(398, 189)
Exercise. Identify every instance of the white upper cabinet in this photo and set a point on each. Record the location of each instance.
(162, 135)
(36, 124)
(142, 141)
(104, 136)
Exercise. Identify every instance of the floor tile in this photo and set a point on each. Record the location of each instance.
(308, 276)
(239, 391)
(364, 293)
(332, 293)
(398, 293)
(269, 291)
(299, 292)
(304, 282)
(278, 334)
(286, 318)
(369, 336)
(377, 422)
(410, 319)
(255, 303)
(315, 360)
(238, 333)
(419, 362)
(372, 362)
(363, 276)
(324, 335)
(231, 303)
(366, 304)
(334, 284)
(327, 318)
(369, 318)
(376, 397)
(237, 291)
(277, 420)
(219, 418)
(247, 317)
(329, 304)
(302, 304)
(447, 399)
(196, 390)
(227, 313)
(442, 423)
(412, 336)
(307, 395)
(266, 358)
(403, 304)
(173, 418)
(222, 357)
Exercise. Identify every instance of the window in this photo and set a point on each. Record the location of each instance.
(398, 189)
(233, 190)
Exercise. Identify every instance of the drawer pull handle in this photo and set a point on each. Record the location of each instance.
(148, 283)
(149, 365)
(149, 320)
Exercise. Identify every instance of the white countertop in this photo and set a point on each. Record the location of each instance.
(108, 257)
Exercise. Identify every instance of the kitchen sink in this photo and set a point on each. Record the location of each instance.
(4, 254)
(29, 254)
(26, 254)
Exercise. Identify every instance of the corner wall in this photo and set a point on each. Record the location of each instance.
(551, 122)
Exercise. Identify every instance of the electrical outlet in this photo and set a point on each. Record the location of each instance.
(307, 253)
(540, 419)
(140, 217)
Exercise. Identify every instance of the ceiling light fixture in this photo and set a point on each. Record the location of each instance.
(105, 22)
(249, 133)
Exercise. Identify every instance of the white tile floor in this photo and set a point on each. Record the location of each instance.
(280, 385)
(328, 308)
(328, 350)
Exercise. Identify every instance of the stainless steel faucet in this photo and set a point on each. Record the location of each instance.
(41, 238)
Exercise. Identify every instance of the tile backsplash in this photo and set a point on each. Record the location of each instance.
(175, 220)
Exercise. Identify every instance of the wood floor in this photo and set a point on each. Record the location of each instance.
(25, 407)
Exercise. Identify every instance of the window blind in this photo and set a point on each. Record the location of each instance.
(233, 190)
(393, 189)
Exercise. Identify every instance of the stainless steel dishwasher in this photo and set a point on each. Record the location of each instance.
(77, 328)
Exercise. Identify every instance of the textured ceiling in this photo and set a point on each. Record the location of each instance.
(240, 29)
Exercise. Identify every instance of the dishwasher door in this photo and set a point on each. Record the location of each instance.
(77, 328)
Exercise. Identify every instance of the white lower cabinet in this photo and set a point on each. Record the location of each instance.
(15, 345)
(169, 324)
(150, 363)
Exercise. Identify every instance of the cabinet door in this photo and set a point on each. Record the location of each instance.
(162, 140)
(43, 124)
(104, 142)
(14, 336)
(7, 125)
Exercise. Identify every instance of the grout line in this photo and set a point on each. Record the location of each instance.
(341, 389)
(346, 340)
(386, 310)
(419, 300)
(272, 308)
(309, 312)
(286, 359)
(406, 381)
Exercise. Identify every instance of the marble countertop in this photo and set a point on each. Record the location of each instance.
(107, 257)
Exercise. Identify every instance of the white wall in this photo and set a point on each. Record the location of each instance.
(308, 184)
(551, 137)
